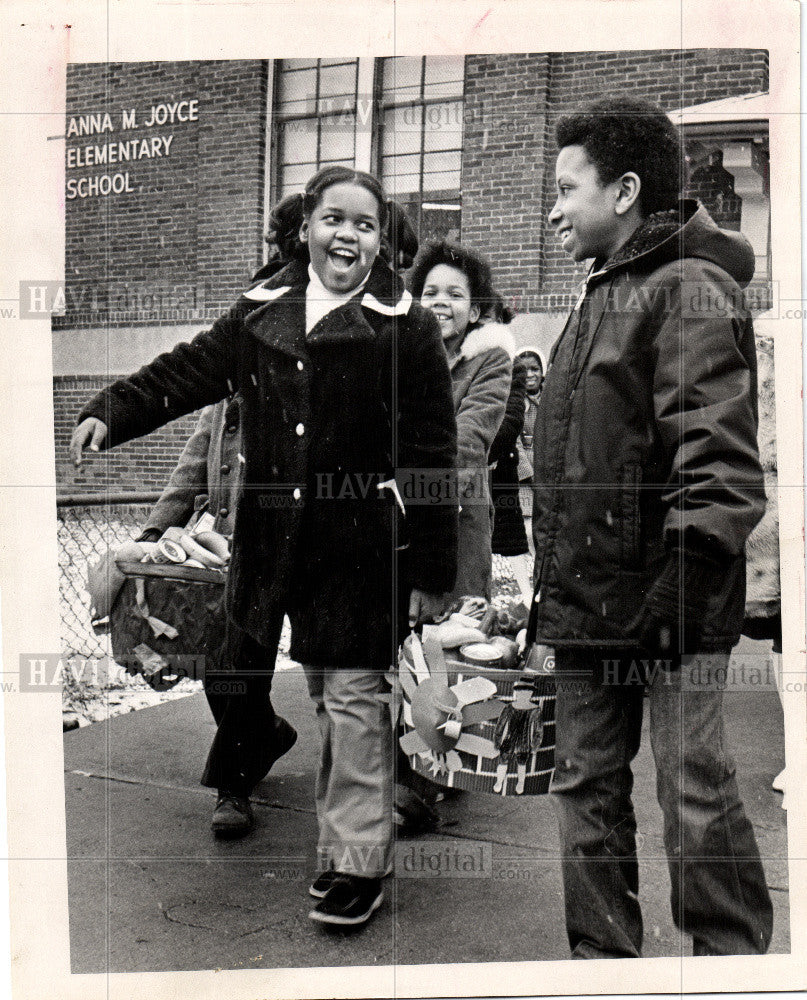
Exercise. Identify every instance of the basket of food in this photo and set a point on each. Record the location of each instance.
(477, 712)
(167, 621)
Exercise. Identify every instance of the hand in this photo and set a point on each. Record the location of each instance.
(425, 608)
(662, 636)
(671, 619)
(90, 430)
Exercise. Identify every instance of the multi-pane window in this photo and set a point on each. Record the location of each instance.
(420, 145)
(399, 117)
(316, 117)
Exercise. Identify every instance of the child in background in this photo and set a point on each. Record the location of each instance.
(456, 284)
(344, 382)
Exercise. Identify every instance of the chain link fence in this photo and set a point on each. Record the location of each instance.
(88, 525)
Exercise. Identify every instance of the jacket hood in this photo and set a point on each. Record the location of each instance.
(486, 338)
(532, 349)
(687, 231)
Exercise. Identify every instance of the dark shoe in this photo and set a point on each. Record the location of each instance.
(233, 816)
(325, 880)
(322, 883)
(412, 814)
(701, 948)
(350, 901)
(285, 736)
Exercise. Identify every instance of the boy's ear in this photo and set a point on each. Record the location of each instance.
(303, 234)
(630, 185)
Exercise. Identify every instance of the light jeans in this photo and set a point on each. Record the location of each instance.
(354, 782)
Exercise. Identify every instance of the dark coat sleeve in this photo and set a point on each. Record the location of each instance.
(704, 396)
(188, 480)
(511, 426)
(427, 450)
(177, 382)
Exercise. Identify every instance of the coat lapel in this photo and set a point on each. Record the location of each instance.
(279, 322)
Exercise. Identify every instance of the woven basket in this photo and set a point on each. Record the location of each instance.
(189, 601)
(478, 773)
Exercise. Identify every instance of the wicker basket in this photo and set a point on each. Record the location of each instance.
(168, 622)
(482, 772)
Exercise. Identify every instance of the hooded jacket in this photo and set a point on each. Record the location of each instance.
(645, 434)
(481, 371)
(326, 417)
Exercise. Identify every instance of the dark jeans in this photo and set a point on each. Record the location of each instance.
(719, 894)
(243, 748)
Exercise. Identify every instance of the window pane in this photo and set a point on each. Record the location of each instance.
(338, 138)
(337, 62)
(402, 71)
(400, 173)
(443, 126)
(297, 64)
(339, 163)
(445, 76)
(297, 91)
(402, 78)
(299, 144)
(334, 80)
(442, 161)
(440, 222)
(441, 171)
(402, 130)
(295, 177)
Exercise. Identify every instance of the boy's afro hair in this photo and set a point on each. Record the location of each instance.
(622, 134)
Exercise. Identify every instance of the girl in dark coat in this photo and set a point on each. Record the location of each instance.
(344, 383)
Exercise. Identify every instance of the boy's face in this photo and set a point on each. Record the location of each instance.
(584, 215)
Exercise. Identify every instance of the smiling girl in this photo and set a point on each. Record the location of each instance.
(344, 381)
(456, 285)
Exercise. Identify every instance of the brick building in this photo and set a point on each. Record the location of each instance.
(171, 169)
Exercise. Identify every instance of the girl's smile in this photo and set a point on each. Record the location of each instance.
(447, 293)
(343, 234)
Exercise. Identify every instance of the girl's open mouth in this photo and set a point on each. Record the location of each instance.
(342, 258)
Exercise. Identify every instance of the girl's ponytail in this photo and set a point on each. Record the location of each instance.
(285, 220)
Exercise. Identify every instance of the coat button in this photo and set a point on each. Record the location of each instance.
(300, 366)
(232, 429)
(224, 470)
(297, 494)
(224, 512)
(300, 430)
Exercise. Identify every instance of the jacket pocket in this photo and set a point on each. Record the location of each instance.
(630, 541)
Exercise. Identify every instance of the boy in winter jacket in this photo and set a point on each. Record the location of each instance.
(647, 484)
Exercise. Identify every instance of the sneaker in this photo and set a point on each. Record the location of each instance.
(322, 883)
(233, 816)
(350, 901)
(325, 880)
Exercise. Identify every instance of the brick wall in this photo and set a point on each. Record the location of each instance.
(144, 464)
(503, 180)
(189, 234)
(508, 160)
(182, 242)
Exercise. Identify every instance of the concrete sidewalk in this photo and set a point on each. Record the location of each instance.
(151, 890)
